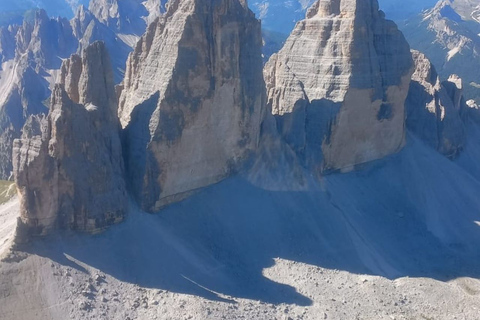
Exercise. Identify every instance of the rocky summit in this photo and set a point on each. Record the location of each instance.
(68, 166)
(192, 101)
(338, 86)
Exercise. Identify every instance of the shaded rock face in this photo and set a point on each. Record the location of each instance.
(68, 165)
(7, 44)
(193, 99)
(338, 86)
(433, 108)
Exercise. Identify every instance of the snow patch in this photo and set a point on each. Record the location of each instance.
(453, 52)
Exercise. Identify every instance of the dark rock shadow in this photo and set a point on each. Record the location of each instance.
(307, 127)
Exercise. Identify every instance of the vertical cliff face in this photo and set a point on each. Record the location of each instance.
(192, 99)
(339, 84)
(434, 107)
(68, 165)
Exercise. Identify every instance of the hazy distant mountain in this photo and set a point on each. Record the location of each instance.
(448, 34)
(281, 15)
(32, 50)
(402, 9)
(14, 9)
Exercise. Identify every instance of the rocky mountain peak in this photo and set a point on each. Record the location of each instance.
(89, 81)
(192, 99)
(339, 85)
(68, 166)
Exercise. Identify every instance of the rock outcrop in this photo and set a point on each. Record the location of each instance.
(68, 166)
(193, 99)
(339, 84)
(434, 107)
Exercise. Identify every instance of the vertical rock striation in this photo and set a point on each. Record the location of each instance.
(68, 166)
(338, 86)
(192, 99)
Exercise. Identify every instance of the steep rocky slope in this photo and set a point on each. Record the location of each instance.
(448, 35)
(192, 99)
(339, 84)
(68, 166)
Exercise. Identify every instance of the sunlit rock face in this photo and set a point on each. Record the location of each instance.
(68, 165)
(192, 100)
(339, 84)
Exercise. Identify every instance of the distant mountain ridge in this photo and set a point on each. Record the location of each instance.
(449, 35)
(31, 55)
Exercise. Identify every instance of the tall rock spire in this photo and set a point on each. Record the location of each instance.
(193, 99)
(339, 84)
(68, 166)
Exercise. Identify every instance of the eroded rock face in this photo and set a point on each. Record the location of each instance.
(192, 99)
(339, 84)
(433, 108)
(68, 166)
